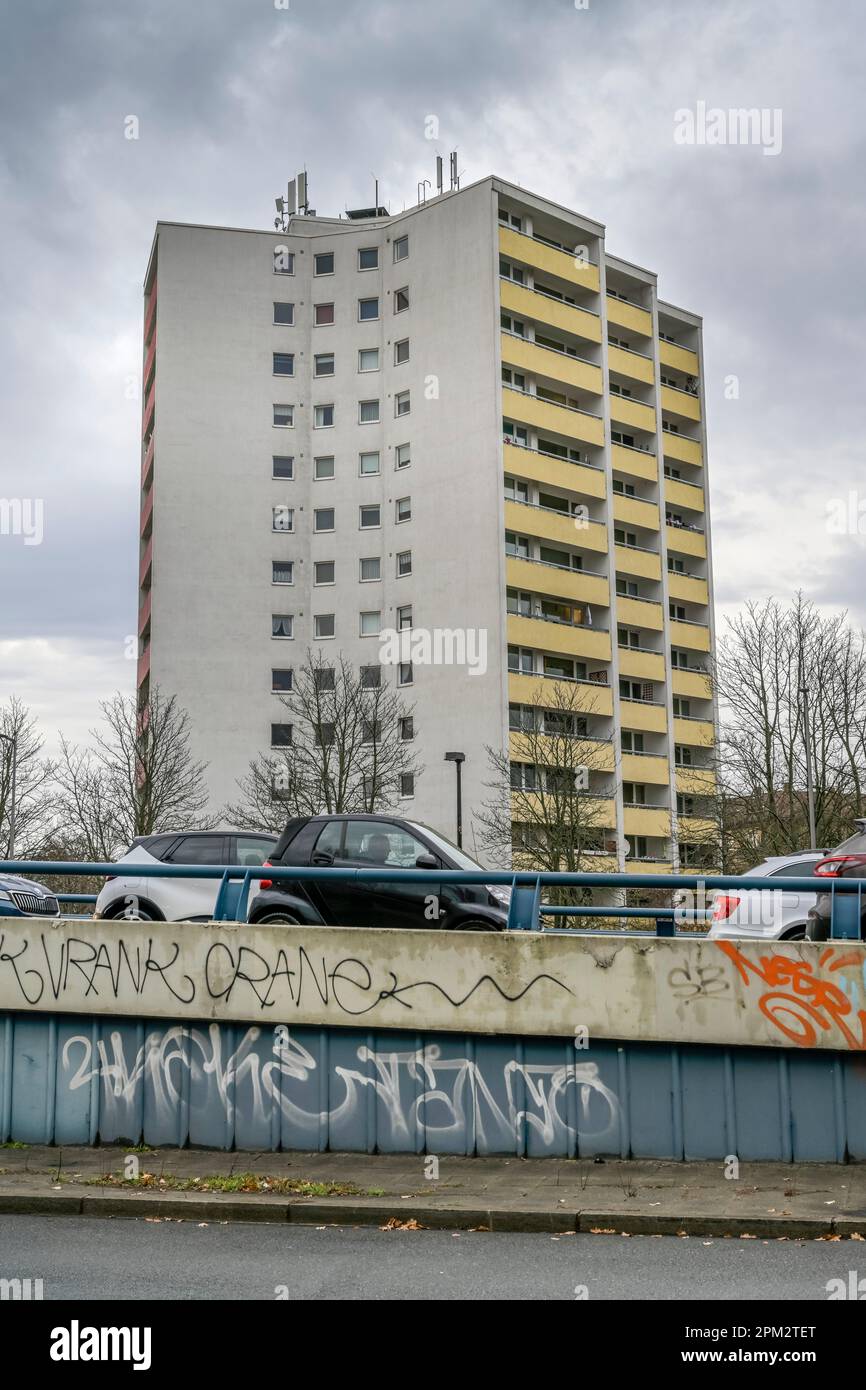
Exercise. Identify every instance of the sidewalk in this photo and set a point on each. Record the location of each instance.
(639, 1197)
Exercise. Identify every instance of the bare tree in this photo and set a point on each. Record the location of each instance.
(349, 745)
(33, 773)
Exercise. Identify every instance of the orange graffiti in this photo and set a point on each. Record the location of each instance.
(799, 1001)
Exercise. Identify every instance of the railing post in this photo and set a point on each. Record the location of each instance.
(232, 898)
(845, 915)
(523, 910)
(665, 926)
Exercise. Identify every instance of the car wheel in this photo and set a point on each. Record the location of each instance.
(121, 914)
(474, 924)
(816, 930)
(798, 934)
(275, 918)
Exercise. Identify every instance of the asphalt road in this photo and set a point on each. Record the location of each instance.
(88, 1258)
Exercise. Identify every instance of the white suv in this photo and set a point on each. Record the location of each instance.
(140, 897)
(764, 914)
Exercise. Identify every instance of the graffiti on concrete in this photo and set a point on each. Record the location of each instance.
(688, 982)
(799, 997)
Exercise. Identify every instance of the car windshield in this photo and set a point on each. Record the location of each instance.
(461, 859)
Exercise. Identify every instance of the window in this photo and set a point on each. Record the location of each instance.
(370, 517)
(407, 784)
(371, 569)
(401, 248)
(624, 489)
(519, 659)
(404, 563)
(283, 312)
(626, 587)
(323, 263)
(622, 537)
(284, 364)
(368, 464)
(636, 690)
(284, 261)
(682, 708)
(634, 794)
(281, 735)
(401, 351)
(405, 674)
(407, 729)
(516, 490)
(281, 680)
(368, 309)
(403, 509)
(371, 730)
(323, 625)
(401, 300)
(517, 545)
(282, 572)
(284, 416)
(627, 637)
(323, 313)
(677, 612)
(281, 625)
(368, 258)
(368, 412)
(404, 617)
(323, 467)
(682, 755)
(515, 326)
(368, 359)
(323, 364)
(679, 658)
(517, 380)
(323, 519)
(198, 849)
(282, 518)
(323, 572)
(323, 417)
(371, 623)
(402, 404)
(324, 734)
(402, 456)
(283, 465)
(516, 434)
(371, 677)
(630, 743)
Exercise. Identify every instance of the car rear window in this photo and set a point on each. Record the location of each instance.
(855, 845)
(291, 830)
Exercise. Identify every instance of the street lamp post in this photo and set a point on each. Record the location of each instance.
(12, 740)
(810, 787)
(458, 759)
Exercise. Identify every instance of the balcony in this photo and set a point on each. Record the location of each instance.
(649, 768)
(145, 563)
(649, 866)
(697, 829)
(681, 403)
(647, 820)
(637, 612)
(561, 639)
(638, 463)
(693, 636)
(629, 559)
(681, 359)
(598, 754)
(541, 308)
(517, 246)
(694, 685)
(645, 716)
(144, 610)
(143, 666)
(548, 525)
(642, 666)
(148, 415)
(147, 463)
(633, 365)
(150, 313)
(531, 410)
(547, 468)
(630, 316)
(697, 733)
(631, 413)
(571, 585)
(686, 542)
(680, 448)
(691, 590)
(597, 811)
(149, 360)
(631, 511)
(586, 697)
(571, 371)
(680, 494)
(695, 781)
(146, 512)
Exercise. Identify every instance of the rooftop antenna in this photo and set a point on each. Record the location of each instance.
(294, 201)
(422, 196)
(455, 181)
(439, 175)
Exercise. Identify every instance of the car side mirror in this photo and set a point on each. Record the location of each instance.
(426, 861)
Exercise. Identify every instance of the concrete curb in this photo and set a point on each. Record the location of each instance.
(353, 1211)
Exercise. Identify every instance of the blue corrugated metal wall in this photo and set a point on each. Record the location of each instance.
(68, 1080)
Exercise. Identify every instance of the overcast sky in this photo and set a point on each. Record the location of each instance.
(577, 104)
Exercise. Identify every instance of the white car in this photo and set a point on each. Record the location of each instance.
(140, 897)
(762, 914)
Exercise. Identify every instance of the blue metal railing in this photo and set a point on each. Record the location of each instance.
(526, 908)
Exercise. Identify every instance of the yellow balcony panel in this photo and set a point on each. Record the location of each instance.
(586, 697)
(694, 685)
(596, 811)
(695, 781)
(647, 866)
(596, 754)
(630, 560)
(555, 526)
(631, 364)
(691, 635)
(681, 403)
(680, 358)
(560, 638)
(529, 304)
(686, 587)
(571, 371)
(634, 714)
(557, 583)
(647, 820)
(544, 415)
(643, 767)
(629, 316)
(631, 511)
(517, 246)
(697, 829)
(639, 613)
(680, 448)
(638, 463)
(686, 542)
(624, 411)
(544, 468)
(698, 733)
(643, 666)
(680, 494)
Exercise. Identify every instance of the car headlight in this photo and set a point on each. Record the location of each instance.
(500, 891)
(6, 897)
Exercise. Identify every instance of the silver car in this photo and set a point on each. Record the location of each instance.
(755, 913)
